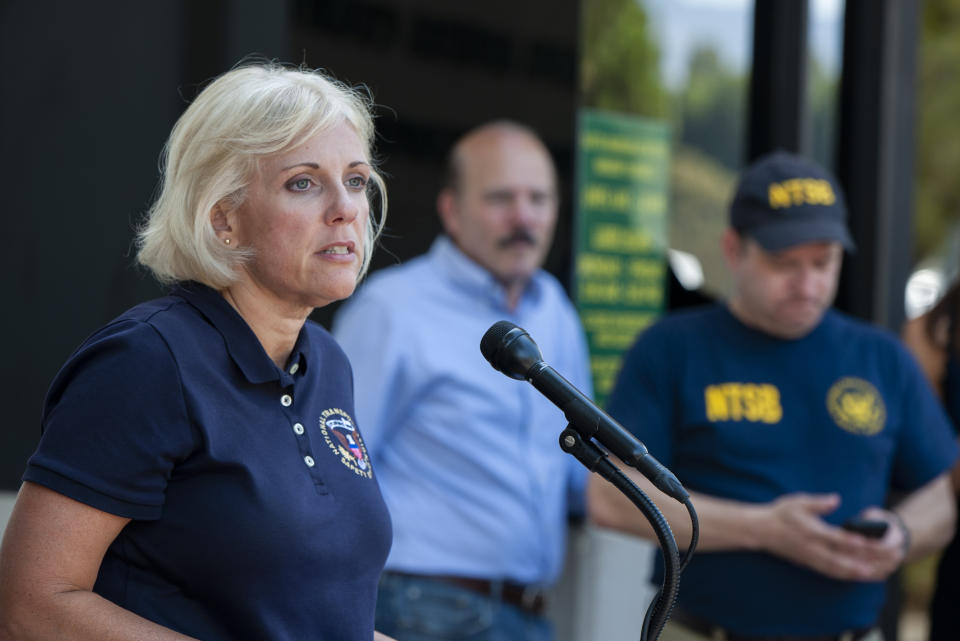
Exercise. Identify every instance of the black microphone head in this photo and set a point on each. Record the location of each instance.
(509, 349)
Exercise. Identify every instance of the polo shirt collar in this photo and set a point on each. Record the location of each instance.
(242, 344)
(473, 278)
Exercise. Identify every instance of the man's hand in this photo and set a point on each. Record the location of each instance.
(886, 554)
(792, 527)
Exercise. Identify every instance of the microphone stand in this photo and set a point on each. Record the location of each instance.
(510, 350)
(595, 460)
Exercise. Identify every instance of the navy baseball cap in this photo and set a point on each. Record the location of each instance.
(784, 200)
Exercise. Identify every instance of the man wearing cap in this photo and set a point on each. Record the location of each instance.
(784, 419)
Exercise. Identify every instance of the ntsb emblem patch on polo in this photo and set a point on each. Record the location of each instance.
(344, 440)
(856, 406)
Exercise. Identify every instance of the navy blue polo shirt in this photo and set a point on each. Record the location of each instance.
(739, 414)
(256, 514)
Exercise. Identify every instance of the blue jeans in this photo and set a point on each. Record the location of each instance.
(424, 609)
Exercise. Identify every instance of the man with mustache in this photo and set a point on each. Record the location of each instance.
(467, 460)
(785, 419)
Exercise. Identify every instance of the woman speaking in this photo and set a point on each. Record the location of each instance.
(200, 474)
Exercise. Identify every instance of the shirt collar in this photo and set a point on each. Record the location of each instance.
(474, 278)
(242, 344)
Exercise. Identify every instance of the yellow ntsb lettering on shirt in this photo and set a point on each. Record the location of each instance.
(800, 191)
(757, 403)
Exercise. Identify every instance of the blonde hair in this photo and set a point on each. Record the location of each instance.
(245, 114)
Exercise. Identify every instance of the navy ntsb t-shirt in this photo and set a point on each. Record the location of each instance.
(256, 514)
(739, 414)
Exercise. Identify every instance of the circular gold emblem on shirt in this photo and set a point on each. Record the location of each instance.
(856, 406)
(343, 438)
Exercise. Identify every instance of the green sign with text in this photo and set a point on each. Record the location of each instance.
(623, 177)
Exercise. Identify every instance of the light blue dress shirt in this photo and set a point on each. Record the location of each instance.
(468, 459)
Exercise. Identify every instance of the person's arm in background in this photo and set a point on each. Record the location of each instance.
(929, 515)
(49, 561)
(790, 527)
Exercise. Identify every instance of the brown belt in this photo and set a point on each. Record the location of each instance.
(718, 633)
(529, 598)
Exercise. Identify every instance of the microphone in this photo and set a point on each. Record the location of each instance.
(511, 351)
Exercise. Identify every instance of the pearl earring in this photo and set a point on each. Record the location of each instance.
(226, 241)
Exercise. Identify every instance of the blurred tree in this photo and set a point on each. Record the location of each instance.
(620, 65)
(620, 71)
(700, 192)
(823, 90)
(712, 107)
(709, 120)
(937, 194)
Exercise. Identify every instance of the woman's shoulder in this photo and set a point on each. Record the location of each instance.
(126, 354)
(141, 334)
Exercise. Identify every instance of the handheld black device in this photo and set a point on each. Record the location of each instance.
(870, 528)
